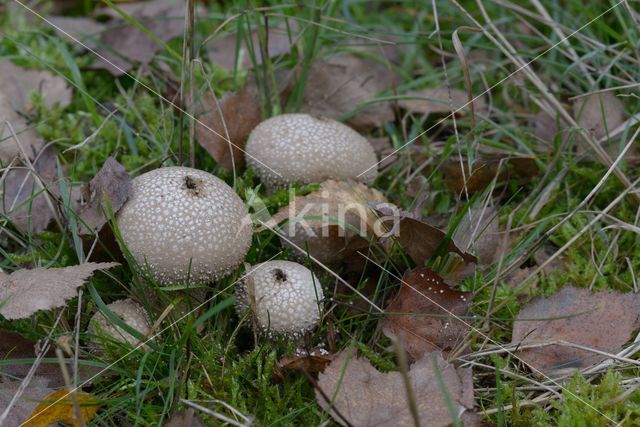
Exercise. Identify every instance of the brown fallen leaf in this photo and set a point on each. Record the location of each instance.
(479, 232)
(239, 113)
(81, 28)
(337, 238)
(423, 314)
(15, 347)
(599, 320)
(18, 83)
(440, 100)
(37, 390)
(544, 126)
(223, 51)
(362, 396)
(484, 171)
(26, 199)
(544, 253)
(58, 407)
(345, 87)
(112, 183)
(27, 137)
(599, 113)
(185, 418)
(25, 292)
(418, 239)
(149, 8)
(123, 45)
(312, 361)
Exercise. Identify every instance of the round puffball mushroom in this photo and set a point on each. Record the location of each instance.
(185, 224)
(131, 313)
(303, 148)
(283, 297)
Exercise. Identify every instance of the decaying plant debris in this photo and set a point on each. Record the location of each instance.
(358, 213)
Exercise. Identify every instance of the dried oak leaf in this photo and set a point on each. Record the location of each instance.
(484, 171)
(223, 51)
(185, 418)
(599, 320)
(58, 407)
(37, 390)
(124, 45)
(418, 239)
(112, 183)
(348, 219)
(238, 114)
(423, 314)
(25, 292)
(599, 113)
(345, 87)
(26, 197)
(362, 396)
(440, 100)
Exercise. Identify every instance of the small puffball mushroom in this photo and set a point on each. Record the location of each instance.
(283, 296)
(185, 224)
(303, 148)
(131, 313)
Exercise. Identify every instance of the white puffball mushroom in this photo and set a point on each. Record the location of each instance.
(282, 296)
(131, 313)
(303, 148)
(185, 225)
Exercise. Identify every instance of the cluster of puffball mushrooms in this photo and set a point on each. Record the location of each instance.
(186, 225)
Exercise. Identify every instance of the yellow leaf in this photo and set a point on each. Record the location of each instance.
(58, 407)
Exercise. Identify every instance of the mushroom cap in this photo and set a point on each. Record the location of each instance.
(303, 148)
(284, 297)
(131, 313)
(185, 224)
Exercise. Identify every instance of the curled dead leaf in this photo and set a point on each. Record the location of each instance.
(419, 240)
(427, 315)
(112, 186)
(333, 222)
(311, 361)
